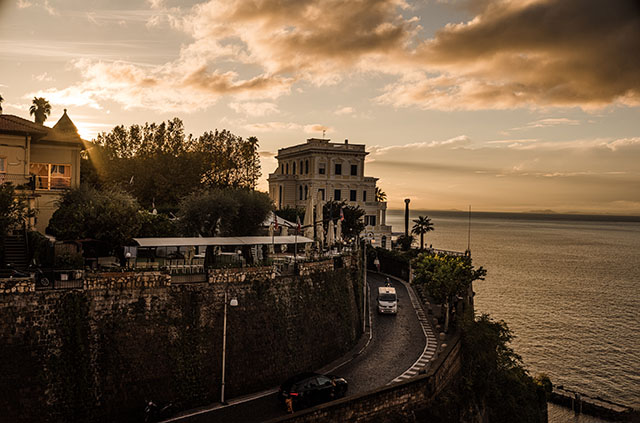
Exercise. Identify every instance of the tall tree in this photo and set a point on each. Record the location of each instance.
(14, 211)
(40, 109)
(445, 277)
(381, 196)
(422, 226)
(1, 100)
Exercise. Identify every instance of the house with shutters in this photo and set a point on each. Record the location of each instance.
(42, 162)
(329, 171)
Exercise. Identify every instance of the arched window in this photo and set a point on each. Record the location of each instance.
(280, 196)
(286, 168)
(301, 168)
(300, 189)
(306, 191)
(384, 241)
(294, 167)
(306, 166)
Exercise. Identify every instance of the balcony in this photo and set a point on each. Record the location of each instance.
(278, 177)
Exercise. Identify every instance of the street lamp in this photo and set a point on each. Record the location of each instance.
(232, 303)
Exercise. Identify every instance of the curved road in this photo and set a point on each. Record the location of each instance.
(397, 342)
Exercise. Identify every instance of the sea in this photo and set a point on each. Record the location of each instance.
(568, 286)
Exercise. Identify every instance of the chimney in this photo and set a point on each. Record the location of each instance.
(346, 141)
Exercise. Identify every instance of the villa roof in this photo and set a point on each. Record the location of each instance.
(64, 131)
(16, 125)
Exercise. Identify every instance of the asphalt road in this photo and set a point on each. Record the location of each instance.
(396, 343)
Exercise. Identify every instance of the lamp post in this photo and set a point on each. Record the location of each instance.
(232, 303)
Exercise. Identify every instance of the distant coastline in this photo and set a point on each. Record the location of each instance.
(538, 215)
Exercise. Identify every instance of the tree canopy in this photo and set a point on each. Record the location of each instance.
(422, 225)
(14, 210)
(352, 225)
(40, 109)
(159, 165)
(224, 212)
(445, 276)
(109, 216)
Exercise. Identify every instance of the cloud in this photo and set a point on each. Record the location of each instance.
(273, 126)
(529, 54)
(172, 87)
(43, 77)
(546, 123)
(451, 143)
(317, 128)
(344, 111)
(254, 109)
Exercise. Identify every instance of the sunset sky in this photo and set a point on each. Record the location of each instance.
(502, 105)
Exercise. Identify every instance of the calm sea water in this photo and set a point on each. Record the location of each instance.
(568, 287)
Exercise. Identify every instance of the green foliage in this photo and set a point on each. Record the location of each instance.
(291, 213)
(156, 225)
(405, 241)
(109, 216)
(493, 374)
(352, 225)
(68, 260)
(422, 226)
(158, 163)
(40, 108)
(14, 210)
(224, 212)
(381, 196)
(445, 276)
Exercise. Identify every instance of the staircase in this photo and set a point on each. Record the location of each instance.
(16, 253)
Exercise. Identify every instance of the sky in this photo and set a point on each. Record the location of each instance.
(502, 105)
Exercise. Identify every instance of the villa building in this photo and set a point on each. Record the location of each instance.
(329, 171)
(41, 162)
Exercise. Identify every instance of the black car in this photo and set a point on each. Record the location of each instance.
(308, 389)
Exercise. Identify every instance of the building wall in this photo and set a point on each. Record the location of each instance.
(96, 354)
(12, 149)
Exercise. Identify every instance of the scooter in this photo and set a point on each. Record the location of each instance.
(155, 413)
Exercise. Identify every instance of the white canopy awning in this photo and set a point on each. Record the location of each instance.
(242, 240)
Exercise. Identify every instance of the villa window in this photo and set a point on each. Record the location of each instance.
(306, 191)
(306, 167)
(301, 168)
(322, 168)
(352, 195)
(280, 196)
(300, 190)
(286, 166)
(354, 170)
(294, 168)
(337, 195)
(364, 195)
(321, 191)
(370, 220)
(338, 169)
(51, 176)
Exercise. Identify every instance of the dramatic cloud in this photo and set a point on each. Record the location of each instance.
(530, 53)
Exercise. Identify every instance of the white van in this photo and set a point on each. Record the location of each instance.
(387, 300)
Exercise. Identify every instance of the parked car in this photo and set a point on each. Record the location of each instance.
(309, 389)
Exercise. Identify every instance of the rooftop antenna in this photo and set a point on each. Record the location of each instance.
(323, 131)
(468, 252)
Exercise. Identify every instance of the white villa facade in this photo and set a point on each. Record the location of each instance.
(329, 171)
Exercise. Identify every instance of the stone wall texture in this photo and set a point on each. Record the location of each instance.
(96, 354)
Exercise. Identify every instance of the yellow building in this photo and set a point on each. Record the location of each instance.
(41, 162)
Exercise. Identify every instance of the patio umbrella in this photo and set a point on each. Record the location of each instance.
(271, 234)
(308, 218)
(339, 231)
(320, 233)
(330, 237)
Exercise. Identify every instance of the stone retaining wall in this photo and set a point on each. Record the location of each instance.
(96, 354)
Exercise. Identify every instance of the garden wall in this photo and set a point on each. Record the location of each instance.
(97, 353)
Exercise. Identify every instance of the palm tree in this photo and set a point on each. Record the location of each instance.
(41, 109)
(422, 226)
(1, 100)
(380, 195)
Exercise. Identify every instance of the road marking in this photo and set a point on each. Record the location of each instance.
(430, 339)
